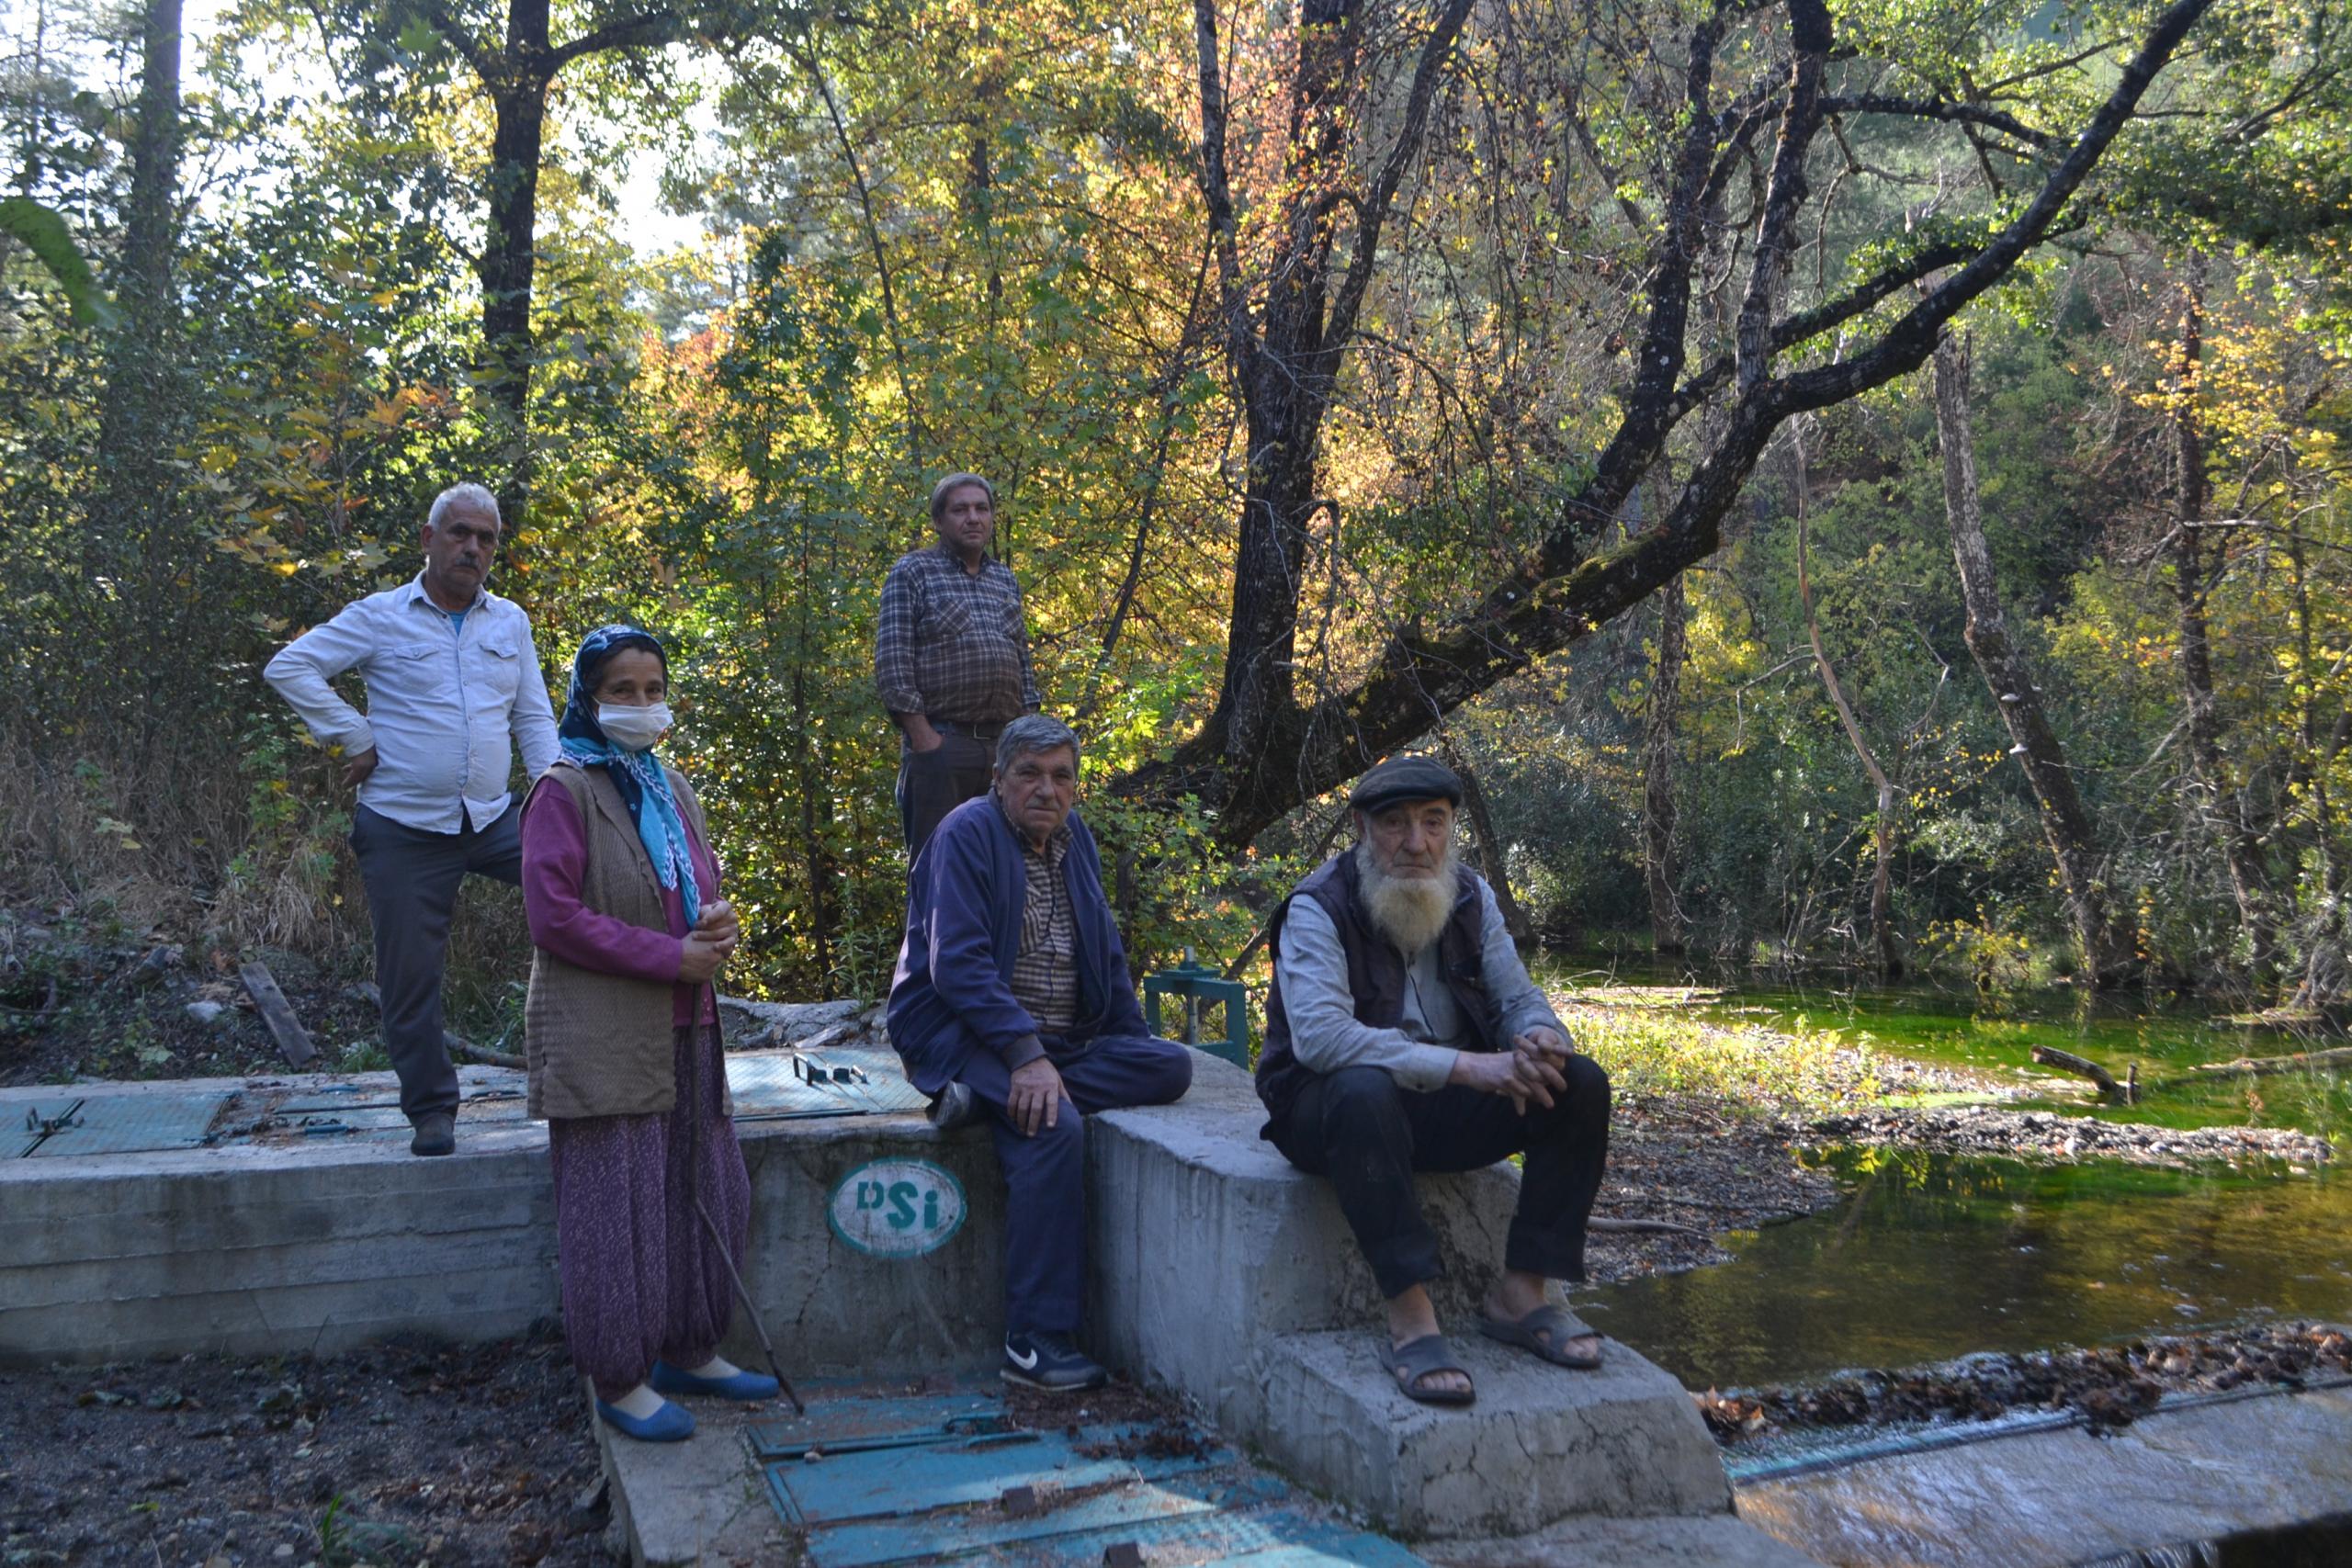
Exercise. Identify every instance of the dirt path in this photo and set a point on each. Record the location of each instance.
(461, 1455)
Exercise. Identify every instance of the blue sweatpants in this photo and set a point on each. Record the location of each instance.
(1044, 1175)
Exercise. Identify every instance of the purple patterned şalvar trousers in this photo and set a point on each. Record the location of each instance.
(641, 1276)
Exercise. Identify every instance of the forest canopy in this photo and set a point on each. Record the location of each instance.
(1857, 484)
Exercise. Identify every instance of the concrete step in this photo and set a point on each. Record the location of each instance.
(1541, 1443)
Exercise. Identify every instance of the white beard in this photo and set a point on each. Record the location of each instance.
(1409, 910)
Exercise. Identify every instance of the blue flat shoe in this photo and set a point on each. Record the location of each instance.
(667, 1425)
(669, 1380)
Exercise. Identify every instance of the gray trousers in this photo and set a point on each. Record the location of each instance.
(412, 878)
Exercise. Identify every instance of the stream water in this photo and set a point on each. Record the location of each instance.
(1933, 1257)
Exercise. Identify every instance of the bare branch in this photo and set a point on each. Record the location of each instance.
(1908, 343)
(1785, 195)
(628, 32)
(1216, 185)
(1940, 110)
(1373, 212)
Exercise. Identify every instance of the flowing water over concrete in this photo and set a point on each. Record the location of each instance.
(1935, 1256)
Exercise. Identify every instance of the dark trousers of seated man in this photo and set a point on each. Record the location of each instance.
(1045, 1175)
(1368, 1134)
(412, 878)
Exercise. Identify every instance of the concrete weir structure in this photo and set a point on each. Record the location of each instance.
(1217, 1270)
(1220, 1271)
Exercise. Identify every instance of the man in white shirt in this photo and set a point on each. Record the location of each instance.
(453, 685)
(1404, 1034)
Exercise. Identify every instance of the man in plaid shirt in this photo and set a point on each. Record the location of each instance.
(951, 657)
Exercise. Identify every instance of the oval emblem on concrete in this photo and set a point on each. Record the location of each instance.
(896, 1208)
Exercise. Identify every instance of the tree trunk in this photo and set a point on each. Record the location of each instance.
(2107, 943)
(1890, 962)
(510, 254)
(1665, 874)
(1490, 848)
(2218, 799)
(1284, 348)
(133, 503)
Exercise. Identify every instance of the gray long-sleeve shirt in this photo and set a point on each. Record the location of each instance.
(1419, 1053)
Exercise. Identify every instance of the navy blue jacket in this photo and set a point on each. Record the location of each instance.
(952, 992)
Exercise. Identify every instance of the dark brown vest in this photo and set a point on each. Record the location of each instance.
(1375, 972)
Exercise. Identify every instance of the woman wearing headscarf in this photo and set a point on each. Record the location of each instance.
(621, 1033)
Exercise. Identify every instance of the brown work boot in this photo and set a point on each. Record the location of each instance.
(436, 1133)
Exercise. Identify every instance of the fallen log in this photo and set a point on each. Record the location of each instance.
(459, 1045)
(2083, 1067)
(2300, 1061)
(277, 1014)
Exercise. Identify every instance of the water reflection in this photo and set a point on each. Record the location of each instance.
(1935, 1256)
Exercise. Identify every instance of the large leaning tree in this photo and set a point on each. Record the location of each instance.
(1749, 156)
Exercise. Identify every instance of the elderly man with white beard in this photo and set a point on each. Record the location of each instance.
(1404, 1034)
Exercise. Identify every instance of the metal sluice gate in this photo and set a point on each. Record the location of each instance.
(875, 1480)
(768, 1085)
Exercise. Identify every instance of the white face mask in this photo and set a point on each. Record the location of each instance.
(632, 728)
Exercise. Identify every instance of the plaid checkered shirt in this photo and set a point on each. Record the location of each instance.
(1045, 972)
(952, 644)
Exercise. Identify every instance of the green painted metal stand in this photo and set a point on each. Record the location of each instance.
(1198, 986)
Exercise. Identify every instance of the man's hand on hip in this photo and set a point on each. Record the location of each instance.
(357, 769)
(920, 735)
(1035, 1099)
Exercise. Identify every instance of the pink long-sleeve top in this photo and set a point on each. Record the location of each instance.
(555, 853)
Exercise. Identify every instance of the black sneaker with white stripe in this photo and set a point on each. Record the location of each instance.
(1051, 1363)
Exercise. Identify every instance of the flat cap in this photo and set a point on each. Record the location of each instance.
(1401, 779)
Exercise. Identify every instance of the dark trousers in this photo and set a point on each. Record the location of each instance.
(1045, 1175)
(412, 878)
(1357, 1127)
(933, 784)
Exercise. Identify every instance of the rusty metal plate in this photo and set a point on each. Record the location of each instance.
(1068, 1530)
(881, 1483)
(848, 1425)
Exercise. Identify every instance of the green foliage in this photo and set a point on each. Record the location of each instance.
(42, 231)
(957, 238)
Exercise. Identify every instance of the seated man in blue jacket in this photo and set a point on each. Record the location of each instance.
(1011, 1000)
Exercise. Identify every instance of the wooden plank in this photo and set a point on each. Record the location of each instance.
(293, 1039)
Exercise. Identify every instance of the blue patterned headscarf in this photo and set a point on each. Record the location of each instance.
(639, 775)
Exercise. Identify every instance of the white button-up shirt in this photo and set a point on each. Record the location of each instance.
(445, 707)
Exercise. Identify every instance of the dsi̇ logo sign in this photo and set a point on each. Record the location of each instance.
(896, 1208)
